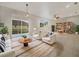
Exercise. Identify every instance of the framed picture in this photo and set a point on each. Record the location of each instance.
(42, 24)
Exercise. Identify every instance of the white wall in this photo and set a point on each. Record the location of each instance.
(74, 19)
(7, 15)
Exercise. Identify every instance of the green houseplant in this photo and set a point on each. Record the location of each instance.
(4, 30)
(24, 36)
(77, 29)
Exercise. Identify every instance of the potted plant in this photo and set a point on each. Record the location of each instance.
(4, 31)
(77, 29)
(25, 40)
(24, 36)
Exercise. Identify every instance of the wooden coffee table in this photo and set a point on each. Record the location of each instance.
(25, 41)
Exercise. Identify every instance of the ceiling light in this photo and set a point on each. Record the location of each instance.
(34, 28)
(67, 6)
(27, 15)
(26, 4)
(27, 12)
(57, 17)
(75, 3)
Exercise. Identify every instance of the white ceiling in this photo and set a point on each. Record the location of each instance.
(46, 9)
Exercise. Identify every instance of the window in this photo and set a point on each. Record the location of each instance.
(24, 27)
(19, 26)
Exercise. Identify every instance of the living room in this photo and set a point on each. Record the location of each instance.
(39, 29)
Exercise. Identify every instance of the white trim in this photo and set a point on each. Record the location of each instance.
(21, 20)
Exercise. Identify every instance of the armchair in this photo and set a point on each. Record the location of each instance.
(50, 39)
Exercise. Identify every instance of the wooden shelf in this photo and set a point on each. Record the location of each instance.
(65, 27)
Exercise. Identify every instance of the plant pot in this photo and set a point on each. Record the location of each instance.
(25, 44)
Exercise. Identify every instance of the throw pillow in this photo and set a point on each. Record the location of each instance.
(2, 45)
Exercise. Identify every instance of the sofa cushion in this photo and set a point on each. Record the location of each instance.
(2, 38)
(0, 35)
(1, 49)
(2, 45)
(10, 53)
(8, 45)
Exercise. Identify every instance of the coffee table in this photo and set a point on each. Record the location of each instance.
(25, 41)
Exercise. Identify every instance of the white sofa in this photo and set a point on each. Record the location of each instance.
(8, 51)
(50, 39)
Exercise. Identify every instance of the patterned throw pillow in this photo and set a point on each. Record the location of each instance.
(2, 38)
(2, 45)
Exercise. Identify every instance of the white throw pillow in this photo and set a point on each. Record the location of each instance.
(0, 35)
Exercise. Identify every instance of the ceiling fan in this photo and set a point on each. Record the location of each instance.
(57, 17)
